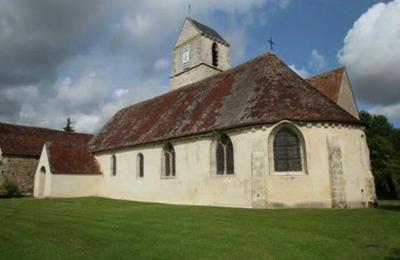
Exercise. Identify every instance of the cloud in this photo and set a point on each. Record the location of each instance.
(391, 111)
(371, 54)
(316, 64)
(161, 64)
(35, 36)
(86, 59)
(302, 72)
(317, 61)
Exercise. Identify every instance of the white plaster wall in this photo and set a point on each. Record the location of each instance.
(195, 184)
(43, 162)
(73, 185)
(65, 185)
(346, 98)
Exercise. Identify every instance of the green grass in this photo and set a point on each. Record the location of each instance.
(95, 228)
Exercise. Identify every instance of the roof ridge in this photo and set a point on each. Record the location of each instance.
(307, 81)
(42, 128)
(309, 85)
(207, 30)
(196, 83)
(343, 68)
(329, 100)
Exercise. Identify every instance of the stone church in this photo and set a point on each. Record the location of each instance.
(256, 136)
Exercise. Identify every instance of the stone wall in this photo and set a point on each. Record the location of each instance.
(19, 170)
(200, 62)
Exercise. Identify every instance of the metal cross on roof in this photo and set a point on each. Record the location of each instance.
(271, 43)
(189, 9)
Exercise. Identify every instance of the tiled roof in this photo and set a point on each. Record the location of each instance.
(261, 91)
(204, 29)
(328, 83)
(72, 159)
(28, 141)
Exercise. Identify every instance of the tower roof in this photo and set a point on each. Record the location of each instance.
(261, 91)
(329, 83)
(208, 31)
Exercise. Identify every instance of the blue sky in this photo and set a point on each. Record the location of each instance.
(87, 59)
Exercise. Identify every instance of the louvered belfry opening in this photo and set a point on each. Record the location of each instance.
(287, 151)
(224, 155)
(169, 161)
(215, 54)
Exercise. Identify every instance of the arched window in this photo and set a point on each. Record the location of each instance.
(287, 151)
(169, 161)
(42, 182)
(214, 50)
(113, 165)
(224, 155)
(140, 165)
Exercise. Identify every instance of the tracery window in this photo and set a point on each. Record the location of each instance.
(169, 161)
(287, 151)
(224, 155)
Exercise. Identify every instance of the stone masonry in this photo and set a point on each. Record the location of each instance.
(20, 170)
(337, 179)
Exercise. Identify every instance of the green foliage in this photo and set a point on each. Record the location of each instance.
(68, 127)
(9, 190)
(3, 191)
(384, 143)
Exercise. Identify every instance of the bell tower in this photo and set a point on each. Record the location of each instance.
(199, 52)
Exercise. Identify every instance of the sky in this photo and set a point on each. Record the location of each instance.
(86, 59)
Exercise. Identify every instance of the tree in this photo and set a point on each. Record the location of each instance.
(68, 128)
(384, 143)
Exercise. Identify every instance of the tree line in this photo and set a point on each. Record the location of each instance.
(384, 143)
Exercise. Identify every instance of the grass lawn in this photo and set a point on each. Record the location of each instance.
(95, 228)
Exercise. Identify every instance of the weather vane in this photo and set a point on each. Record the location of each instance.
(271, 44)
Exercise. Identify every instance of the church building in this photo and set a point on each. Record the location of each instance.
(255, 136)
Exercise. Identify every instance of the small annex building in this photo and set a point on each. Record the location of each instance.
(256, 135)
(20, 149)
(67, 170)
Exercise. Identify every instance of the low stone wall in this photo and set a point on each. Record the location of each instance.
(20, 170)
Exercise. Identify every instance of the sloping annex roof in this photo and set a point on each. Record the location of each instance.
(72, 159)
(328, 83)
(28, 141)
(208, 31)
(261, 91)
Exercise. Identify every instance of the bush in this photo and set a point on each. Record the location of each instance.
(9, 190)
(3, 191)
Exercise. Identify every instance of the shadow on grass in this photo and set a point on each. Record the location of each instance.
(392, 208)
(393, 253)
(392, 205)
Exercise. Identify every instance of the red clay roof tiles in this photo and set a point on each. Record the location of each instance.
(72, 159)
(328, 83)
(261, 91)
(28, 141)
